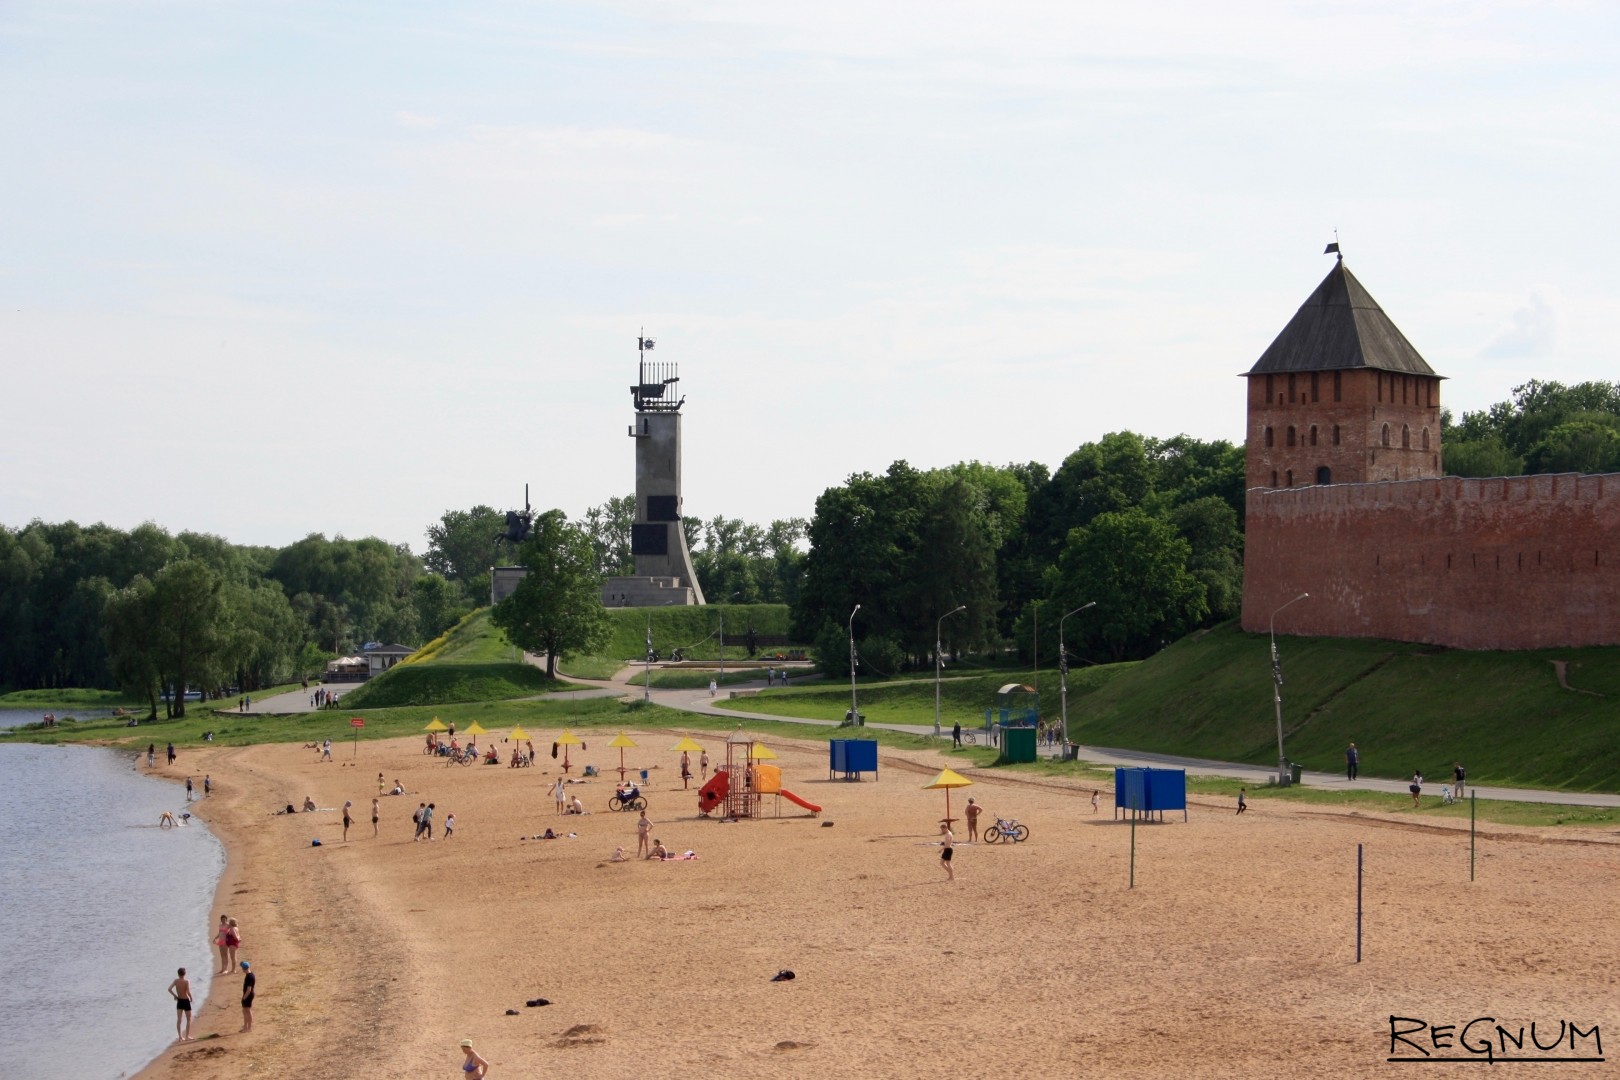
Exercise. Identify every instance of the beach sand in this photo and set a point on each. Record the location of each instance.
(1232, 957)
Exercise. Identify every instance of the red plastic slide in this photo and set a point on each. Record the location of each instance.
(713, 793)
(792, 798)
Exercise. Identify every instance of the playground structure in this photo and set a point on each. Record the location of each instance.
(1142, 792)
(738, 801)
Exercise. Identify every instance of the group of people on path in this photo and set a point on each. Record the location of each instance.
(1449, 793)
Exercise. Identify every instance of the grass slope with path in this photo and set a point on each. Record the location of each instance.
(472, 661)
(692, 629)
(1406, 706)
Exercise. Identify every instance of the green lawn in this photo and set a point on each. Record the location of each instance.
(70, 698)
(1406, 707)
(473, 661)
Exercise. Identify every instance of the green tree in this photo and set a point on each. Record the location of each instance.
(608, 527)
(1134, 566)
(439, 604)
(557, 607)
(1587, 444)
(463, 545)
(189, 627)
(130, 623)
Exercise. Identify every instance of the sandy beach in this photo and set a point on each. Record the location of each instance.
(1232, 957)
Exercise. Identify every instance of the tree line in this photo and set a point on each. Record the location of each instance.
(1547, 427)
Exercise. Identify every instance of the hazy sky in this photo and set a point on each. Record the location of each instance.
(278, 268)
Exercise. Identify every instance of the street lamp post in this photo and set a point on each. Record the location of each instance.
(1063, 672)
(646, 689)
(854, 714)
(938, 662)
(1284, 777)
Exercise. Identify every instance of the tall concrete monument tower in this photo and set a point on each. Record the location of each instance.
(657, 541)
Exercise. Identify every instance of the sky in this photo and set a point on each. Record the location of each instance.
(277, 268)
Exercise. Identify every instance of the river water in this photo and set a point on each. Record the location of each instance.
(101, 907)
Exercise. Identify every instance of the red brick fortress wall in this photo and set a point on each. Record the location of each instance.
(1521, 562)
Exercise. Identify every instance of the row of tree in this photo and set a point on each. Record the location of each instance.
(1148, 529)
(1547, 428)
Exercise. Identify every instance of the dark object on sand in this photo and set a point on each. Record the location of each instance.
(511, 1012)
(783, 976)
(536, 1003)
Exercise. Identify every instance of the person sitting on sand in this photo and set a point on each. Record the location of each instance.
(659, 851)
(399, 788)
(309, 804)
(618, 855)
(575, 806)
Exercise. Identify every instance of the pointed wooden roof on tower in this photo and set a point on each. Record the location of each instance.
(1339, 327)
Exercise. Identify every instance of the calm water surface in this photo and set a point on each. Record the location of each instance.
(102, 907)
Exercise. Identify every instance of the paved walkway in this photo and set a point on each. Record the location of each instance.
(698, 701)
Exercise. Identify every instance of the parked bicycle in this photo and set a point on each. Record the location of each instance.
(1008, 830)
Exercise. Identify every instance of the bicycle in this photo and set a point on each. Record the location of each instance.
(969, 738)
(1006, 829)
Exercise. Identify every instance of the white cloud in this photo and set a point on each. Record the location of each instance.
(1532, 331)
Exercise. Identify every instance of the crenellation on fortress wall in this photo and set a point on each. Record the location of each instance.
(1517, 562)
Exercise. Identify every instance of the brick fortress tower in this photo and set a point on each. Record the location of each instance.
(1341, 397)
(657, 541)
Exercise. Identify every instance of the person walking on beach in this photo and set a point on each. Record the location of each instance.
(381, 787)
(473, 1067)
(208, 785)
(171, 753)
(1243, 800)
(416, 820)
(973, 811)
(427, 821)
(375, 814)
(686, 770)
(233, 941)
(703, 765)
(1416, 788)
(249, 985)
(151, 755)
(1096, 797)
(347, 820)
(221, 944)
(180, 990)
(947, 848)
(1459, 777)
(643, 833)
(1352, 761)
(449, 825)
(326, 750)
(956, 735)
(559, 792)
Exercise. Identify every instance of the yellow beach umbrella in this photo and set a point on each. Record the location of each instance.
(475, 728)
(518, 734)
(760, 752)
(565, 740)
(622, 741)
(686, 746)
(947, 779)
(436, 725)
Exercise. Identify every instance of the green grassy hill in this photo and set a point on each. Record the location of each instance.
(1503, 714)
(472, 661)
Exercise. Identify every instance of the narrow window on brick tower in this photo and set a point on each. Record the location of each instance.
(1314, 392)
(1290, 435)
(1384, 439)
(1313, 434)
(1338, 386)
(1269, 440)
(1292, 397)
(1273, 477)
(1290, 477)
(1425, 438)
(1324, 475)
(1406, 437)
(1335, 434)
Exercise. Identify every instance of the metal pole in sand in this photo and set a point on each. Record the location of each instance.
(1133, 847)
(1358, 902)
(1471, 841)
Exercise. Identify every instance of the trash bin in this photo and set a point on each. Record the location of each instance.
(1295, 771)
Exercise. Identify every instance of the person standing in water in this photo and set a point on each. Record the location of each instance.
(180, 990)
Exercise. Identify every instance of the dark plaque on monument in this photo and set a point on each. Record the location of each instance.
(649, 539)
(663, 508)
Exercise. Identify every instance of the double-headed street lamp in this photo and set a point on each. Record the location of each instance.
(1284, 776)
(1063, 672)
(854, 715)
(938, 662)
